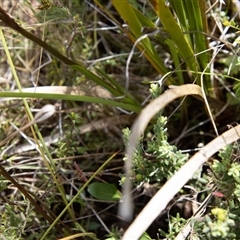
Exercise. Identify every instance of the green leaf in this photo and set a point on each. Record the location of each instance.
(104, 191)
(237, 89)
(145, 236)
(171, 26)
(136, 21)
(70, 97)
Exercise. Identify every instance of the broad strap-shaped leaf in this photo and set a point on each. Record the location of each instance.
(136, 21)
(172, 28)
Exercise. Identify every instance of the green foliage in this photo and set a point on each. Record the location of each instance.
(69, 144)
(220, 227)
(221, 222)
(233, 64)
(9, 222)
(165, 158)
(175, 225)
(179, 39)
(114, 234)
(226, 172)
(145, 236)
(104, 191)
(182, 28)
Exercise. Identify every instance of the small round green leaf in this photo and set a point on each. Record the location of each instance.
(104, 191)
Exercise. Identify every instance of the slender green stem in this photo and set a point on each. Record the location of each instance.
(77, 195)
(44, 150)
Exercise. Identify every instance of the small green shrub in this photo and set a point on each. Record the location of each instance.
(222, 222)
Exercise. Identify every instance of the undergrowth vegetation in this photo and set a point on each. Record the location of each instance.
(81, 81)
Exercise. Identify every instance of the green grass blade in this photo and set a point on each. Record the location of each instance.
(69, 97)
(171, 26)
(78, 194)
(77, 66)
(44, 150)
(194, 17)
(176, 60)
(136, 21)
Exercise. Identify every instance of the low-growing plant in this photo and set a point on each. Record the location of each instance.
(222, 221)
(159, 160)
